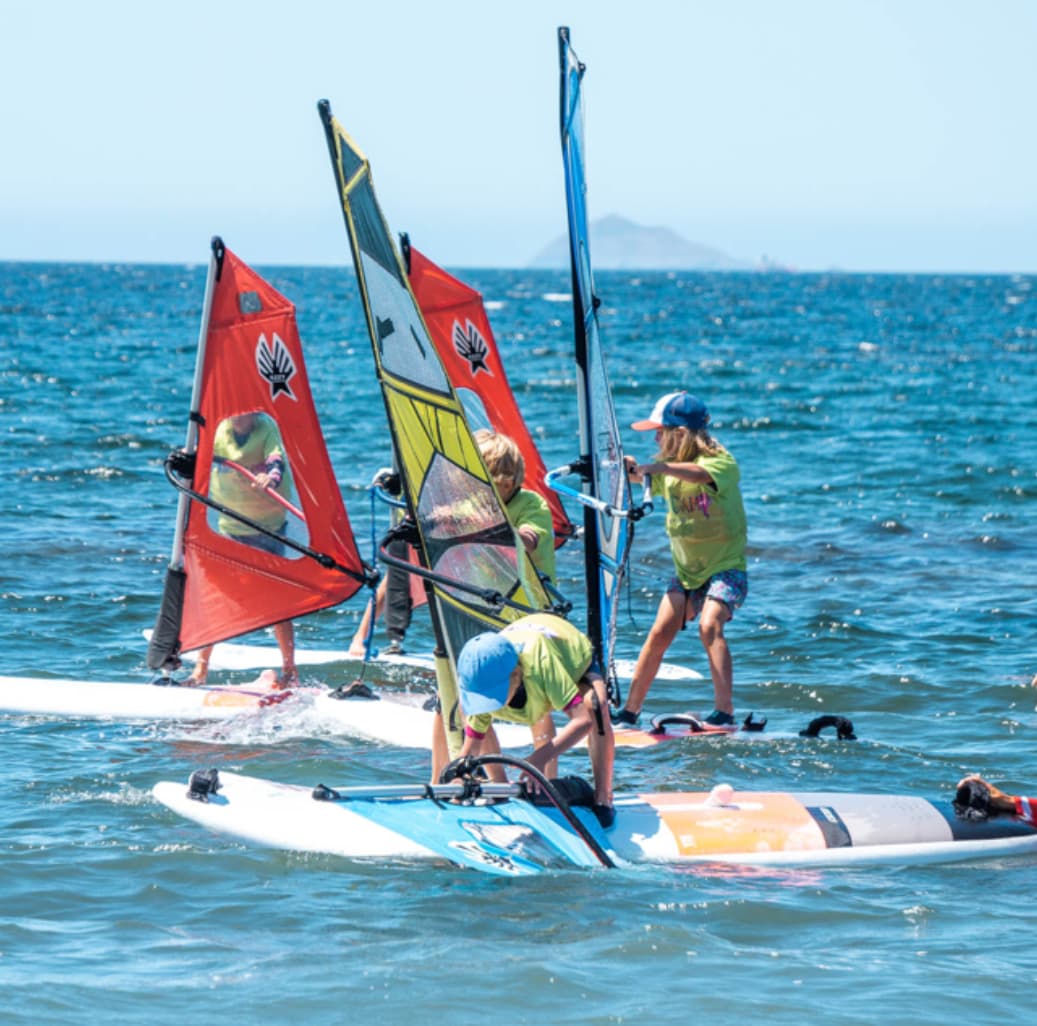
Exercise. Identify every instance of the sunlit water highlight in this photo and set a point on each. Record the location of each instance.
(885, 430)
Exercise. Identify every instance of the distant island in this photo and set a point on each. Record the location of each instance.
(619, 244)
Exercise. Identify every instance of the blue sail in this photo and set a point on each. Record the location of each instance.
(605, 496)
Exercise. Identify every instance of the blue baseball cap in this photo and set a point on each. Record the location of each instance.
(483, 669)
(676, 409)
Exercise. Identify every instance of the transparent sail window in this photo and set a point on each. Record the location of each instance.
(250, 476)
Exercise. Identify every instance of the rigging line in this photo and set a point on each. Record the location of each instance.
(329, 563)
(387, 500)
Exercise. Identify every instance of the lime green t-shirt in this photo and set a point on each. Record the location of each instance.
(232, 489)
(554, 655)
(706, 524)
(527, 508)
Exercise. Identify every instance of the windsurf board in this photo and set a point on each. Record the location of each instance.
(672, 828)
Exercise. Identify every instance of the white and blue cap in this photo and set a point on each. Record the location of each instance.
(483, 669)
(676, 409)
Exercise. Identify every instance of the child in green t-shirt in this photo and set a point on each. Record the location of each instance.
(705, 521)
(252, 441)
(530, 516)
(533, 666)
(527, 510)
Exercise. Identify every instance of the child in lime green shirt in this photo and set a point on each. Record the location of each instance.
(705, 521)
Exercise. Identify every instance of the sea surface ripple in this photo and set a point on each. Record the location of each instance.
(885, 429)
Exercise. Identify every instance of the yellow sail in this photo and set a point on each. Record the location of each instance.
(479, 573)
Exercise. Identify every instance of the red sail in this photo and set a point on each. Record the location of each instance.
(253, 364)
(461, 332)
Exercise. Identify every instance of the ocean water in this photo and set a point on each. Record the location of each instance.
(886, 433)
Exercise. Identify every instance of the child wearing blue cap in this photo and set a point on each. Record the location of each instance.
(705, 521)
(535, 665)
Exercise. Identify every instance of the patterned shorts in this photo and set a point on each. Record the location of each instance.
(728, 586)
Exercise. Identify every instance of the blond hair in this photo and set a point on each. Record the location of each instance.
(682, 445)
(501, 455)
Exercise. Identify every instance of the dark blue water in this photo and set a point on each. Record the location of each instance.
(886, 433)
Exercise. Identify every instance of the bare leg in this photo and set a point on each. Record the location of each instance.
(711, 631)
(356, 646)
(440, 751)
(602, 746)
(543, 733)
(668, 621)
(285, 634)
(200, 673)
(491, 746)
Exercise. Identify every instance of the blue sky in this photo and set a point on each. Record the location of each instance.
(858, 134)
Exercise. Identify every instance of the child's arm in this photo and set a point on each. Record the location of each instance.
(683, 471)
(535, 523)
(978, 800)
(530, 537)
(483, 743)
(636, 476)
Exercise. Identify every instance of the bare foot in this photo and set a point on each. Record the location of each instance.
(289, 679)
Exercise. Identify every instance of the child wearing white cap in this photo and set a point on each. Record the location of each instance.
(705, 521)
